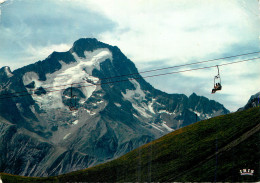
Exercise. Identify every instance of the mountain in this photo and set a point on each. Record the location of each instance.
(117, 111)
(185, 155)
(252, 102)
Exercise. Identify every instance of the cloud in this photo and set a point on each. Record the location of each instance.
(41, 53)
(1, 4)
(176, 30)
(40, 26)
(2, 1)
(32, 54)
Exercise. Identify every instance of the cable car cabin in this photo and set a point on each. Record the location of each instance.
(217, 83)
(217, 87)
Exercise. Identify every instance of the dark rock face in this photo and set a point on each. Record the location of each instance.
(252, 102)
(114, 114)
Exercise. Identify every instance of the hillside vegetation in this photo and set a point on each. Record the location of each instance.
(187, 154)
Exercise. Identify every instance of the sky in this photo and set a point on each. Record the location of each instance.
(151, 33)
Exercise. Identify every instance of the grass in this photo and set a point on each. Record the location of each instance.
(186, 154)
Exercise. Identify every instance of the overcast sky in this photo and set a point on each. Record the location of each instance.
(152, 33)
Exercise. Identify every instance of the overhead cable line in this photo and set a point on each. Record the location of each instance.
(147, 71)
(211, 60)
(171, 67)
(156, 75)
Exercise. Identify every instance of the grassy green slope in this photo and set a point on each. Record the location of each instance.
(187, 154)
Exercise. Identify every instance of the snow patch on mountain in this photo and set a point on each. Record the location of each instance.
(134, 95)
(100, 102)
(205, 116)
(66, 136)
(156, 127)
(29, 77)
(68, 74)
(32, 108)
(139, 102)
(198, 113)
(135, 116)
(167, 127)
(8, 72)
(208, 116)
(118, 105)
(19, 107)
(162, 127)
(91, 113)
(141, 110)
(150, 106)
(164, 111)
(137, 98)
(93, 59)
(74, 113)
(75, 122)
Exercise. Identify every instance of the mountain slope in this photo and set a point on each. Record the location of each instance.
(115, 114)
(252, 102)
(187, 154)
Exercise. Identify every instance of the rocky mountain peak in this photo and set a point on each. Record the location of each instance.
(5, 72)
(116, 110)
(193, 95)
(88, 44)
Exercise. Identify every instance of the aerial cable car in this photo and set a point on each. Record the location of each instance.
(217, 83)
(73, 102)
